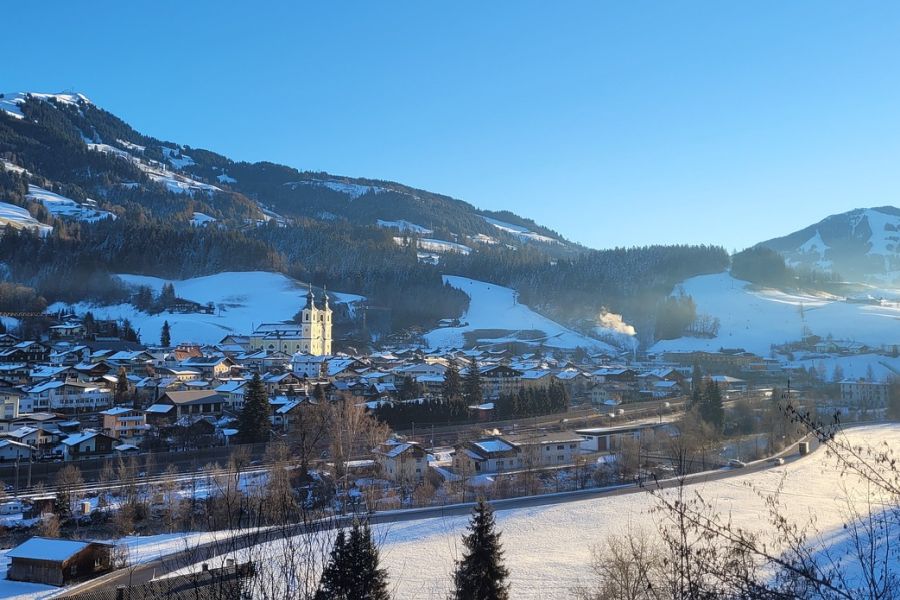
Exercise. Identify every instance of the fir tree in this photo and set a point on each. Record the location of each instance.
(481, 575)
(472, 386)
(353, 572)
(165, 336)
(253, 422)
(121, 385)
(711, 409)
(696, 387)
(452, 387)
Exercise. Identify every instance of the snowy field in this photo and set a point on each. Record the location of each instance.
(60, 206)
(19, 218)
(548, 548)
(756, 319)
(520, 232)
(243, 300)
(495, 307)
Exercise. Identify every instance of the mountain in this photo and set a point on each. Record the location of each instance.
(860, 245)
(84, 196)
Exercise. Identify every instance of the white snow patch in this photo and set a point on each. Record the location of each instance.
(496, 307)
(243, 300)
(60, 206)
(404, 226)
(19, 218)
(10, 102)
(354, 190)
(201, 220)
(754, 319)
(520, 232)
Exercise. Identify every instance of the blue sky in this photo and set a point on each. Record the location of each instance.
(614, 123)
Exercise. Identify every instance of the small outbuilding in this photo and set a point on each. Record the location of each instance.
(58, 562)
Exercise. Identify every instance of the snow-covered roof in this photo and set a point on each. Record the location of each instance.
(38, 548)
(159, 408)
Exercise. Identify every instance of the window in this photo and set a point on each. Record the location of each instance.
(560, 447)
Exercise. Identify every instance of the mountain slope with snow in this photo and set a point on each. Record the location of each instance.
(754, 319)
(495, 311)
(242, 301)
(861, 245)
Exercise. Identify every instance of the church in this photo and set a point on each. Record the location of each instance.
(311, 336)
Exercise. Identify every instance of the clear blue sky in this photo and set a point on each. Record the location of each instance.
(614, 123)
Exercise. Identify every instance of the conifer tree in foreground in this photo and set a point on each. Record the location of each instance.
(481, 575)
(352, 572)
(253, 422)
(472, 385)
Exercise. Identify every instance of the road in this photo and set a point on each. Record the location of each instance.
(144, 572)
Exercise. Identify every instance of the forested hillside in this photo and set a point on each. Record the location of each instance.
(172, 211)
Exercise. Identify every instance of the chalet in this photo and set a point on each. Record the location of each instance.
(209, 367)
(41, 438)
(8, 340)
(490, 455)
(232, 392)
(67, 331)
(15, 372)
(26, 352)
(201, 402)
(67, 395)
(264, 360)
(69, 356)
(12, 451)
(401, 461)
(497, 380)
(58, 562)
(614, 374)
(90, 444)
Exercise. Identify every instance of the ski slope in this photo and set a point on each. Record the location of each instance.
(243, 300)
(495, 307)
(755, 319)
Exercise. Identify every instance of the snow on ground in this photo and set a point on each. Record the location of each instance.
(354, 190)
(201, 220)
(404, 226)
(177, 162)
(60, 206)
(243, 300)
(12, 167)
(225, 178)
(495, 307)
(9, 103)
(548, 548)
(853, 367)
(520, 232)
(431, 245)
(755, 319)
(19, 218)
(20, 590)
(419, 554)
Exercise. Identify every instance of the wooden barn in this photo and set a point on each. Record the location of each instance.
(58, 562)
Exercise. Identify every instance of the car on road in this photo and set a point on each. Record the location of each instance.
(776, 461)
(736, 464)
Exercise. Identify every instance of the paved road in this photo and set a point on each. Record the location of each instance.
(144, 572)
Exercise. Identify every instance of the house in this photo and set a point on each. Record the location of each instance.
(12, 451)
(67, 395)
(497, 380)
(66, 331)
(58, 562)
(90, 444)
(209, 367)
(489, 455)
(401, 461)
(195, 402)
(609, 439)
(125, 424)
(548, 449)
(864, 394)
(25, 352)
(10, 399)
(39, 437)
(233, 392)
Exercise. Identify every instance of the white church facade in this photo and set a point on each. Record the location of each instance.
(312, 335)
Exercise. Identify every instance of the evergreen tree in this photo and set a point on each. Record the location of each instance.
(121, 385)
(696, 386)
(711, 409)
(481, 575)
(353, 572)
(165, 336)
(253, 422)
(472, 385)
(452, 387)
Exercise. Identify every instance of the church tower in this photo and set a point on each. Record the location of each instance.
(315, 335)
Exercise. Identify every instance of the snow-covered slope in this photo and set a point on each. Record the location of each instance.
(60, 206)
(548, 548)
(495, 307)
(242, 300)
(520, 232)
(9, 102)
(861, 244)
(404, 226)
(19, 218)
(756, 319)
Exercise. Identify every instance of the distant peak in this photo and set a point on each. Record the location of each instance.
(9, 102)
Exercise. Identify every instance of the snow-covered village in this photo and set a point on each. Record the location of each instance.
(584, 301)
